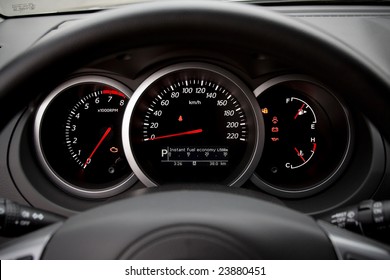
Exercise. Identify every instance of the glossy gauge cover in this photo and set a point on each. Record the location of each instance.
(78, 137)
(307, 137)
(193, 123)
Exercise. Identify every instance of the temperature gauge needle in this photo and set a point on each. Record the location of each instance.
(299, 154)
(195, 131)
(97, 146)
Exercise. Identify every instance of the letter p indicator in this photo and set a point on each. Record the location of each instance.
(164, 152)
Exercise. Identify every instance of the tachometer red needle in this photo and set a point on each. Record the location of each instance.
(299, 111)
(299, 154)
(195, 131)
(97, 146)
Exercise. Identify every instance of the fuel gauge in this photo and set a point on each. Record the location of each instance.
(307, 137)
(300, 133)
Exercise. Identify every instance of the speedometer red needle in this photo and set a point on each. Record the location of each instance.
(195, 131)
(97, 146)
(299, 111)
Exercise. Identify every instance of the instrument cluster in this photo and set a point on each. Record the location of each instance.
(192, 123)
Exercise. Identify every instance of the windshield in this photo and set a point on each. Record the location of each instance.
(12, 8)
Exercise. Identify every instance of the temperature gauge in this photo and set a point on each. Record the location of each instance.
(300, 133)
(307, 136)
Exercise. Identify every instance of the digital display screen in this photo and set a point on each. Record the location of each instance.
(195, 156)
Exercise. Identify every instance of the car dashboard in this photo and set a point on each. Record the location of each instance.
(184, 115)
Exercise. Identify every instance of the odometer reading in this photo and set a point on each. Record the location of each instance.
(192, 125)
(195, 156)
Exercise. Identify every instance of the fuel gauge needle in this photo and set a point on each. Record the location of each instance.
(97, 147)
(299, 111)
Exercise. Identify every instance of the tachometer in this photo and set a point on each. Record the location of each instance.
(78, 135)
(193, 123)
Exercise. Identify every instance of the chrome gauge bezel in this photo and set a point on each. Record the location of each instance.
(258, 144)
(334, 175)
(49, 171)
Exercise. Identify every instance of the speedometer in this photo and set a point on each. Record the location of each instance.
(193, 123)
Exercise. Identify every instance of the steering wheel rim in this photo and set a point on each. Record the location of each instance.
(42, 66)
(185, 23)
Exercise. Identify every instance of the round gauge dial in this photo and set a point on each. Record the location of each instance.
(91, 135)
(307, 137)
(299, 136)
(192, 124)
(78, 134)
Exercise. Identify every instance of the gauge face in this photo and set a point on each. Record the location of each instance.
(307, 136)
(297, 135)
(91, 135)
(192, 124)
(78, 132)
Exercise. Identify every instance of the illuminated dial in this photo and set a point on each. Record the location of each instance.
(306, 137)
(78, 133)
(92, 135)
(192, 123)
(299, 136)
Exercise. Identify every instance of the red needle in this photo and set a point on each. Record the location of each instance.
(300, 110)
(97, 146)
(299, 154)
(176, 134)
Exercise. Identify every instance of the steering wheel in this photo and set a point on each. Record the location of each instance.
(206, 222)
